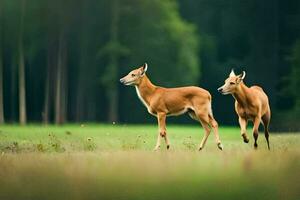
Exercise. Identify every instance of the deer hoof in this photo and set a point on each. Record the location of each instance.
(220, 146)
(200, 148)
(156, 148)
(168, 146)
(246, 140)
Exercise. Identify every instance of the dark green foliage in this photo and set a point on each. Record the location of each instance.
(156, 33)
(78, 50)
(294, 76)
(289, 94)
(255, 36)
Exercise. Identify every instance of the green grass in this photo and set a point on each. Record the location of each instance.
(117, 162)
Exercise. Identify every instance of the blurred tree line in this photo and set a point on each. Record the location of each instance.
(258, 37)
(60, 61)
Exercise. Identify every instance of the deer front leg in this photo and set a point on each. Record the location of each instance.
(256, 123)
(157, 146)
(243, 125)
(161, 119)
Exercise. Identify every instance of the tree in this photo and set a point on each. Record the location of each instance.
(83, 82)
(60, 82)
(155, 32)
(21, 64)
(61, 92)
(1, 63)
(47, 101)
(294, 80)
(113, 50)
(51, 26)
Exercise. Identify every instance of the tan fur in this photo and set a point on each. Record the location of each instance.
(162, 102)
(250, 104)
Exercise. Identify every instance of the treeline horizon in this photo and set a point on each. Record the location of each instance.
(61, 61)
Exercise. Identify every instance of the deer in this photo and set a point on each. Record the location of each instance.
(251, 104)
(162, 102)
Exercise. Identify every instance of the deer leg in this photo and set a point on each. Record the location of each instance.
(256, 123)
(157, 146)
(161, 118)
(204, 122)
(243, 125)
(266, 121)
(192, 114)
(167, 141)
(214, 125)
(206, 134)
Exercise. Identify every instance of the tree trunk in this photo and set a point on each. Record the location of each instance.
(81, 92)
(13, 91)
(1, 65)
(112, 90)
(64, 86)
(22, 90)
(113, 95)
(82, 81)
(58, 119)
(46, 109)
(1, 90)
(60, 94)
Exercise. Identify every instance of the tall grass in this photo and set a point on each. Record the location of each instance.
(117, 162)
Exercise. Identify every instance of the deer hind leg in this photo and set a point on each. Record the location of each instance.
(243, 125)
(204, 115)
(256, 123)
(193, 115)
(266, 120)
(205, 125)
(214, 124)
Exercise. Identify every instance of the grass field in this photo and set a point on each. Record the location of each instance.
(117, 162)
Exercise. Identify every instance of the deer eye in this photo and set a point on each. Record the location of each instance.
(133, 75)
(232, 83)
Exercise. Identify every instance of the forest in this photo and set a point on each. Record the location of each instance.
(61, 61)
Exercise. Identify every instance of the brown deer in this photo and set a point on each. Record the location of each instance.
(162, 102)
(250, 104)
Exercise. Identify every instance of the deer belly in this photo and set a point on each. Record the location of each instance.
(177, 112)
(246, 115)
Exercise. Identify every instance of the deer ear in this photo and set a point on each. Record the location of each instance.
(144, 69)
(232, 74)
(242, 76)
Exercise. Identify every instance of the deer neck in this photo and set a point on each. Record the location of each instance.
(240, 94)
(145, 90)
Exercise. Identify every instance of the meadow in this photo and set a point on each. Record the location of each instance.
(89, 161)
